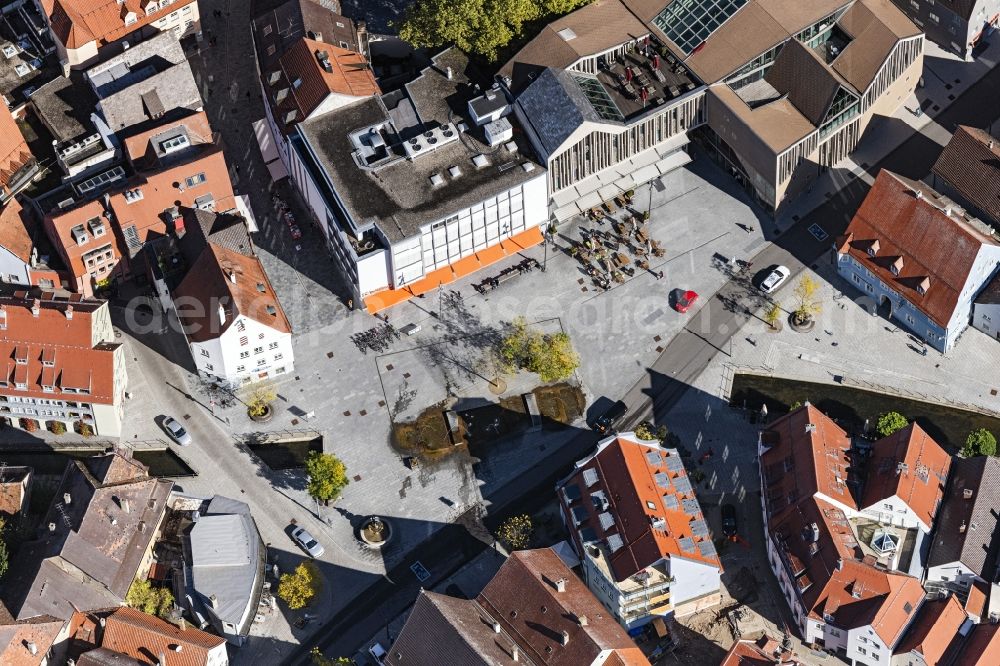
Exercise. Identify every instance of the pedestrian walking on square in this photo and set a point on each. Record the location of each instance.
(659, 275)
(350, 303)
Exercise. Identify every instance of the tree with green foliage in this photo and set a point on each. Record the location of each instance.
(327, 476)
(980, 442)
(481, 27)
(299, 587)
(516, 532)
(889, 423)
(4, 555)
(150, 600)
(550, 356)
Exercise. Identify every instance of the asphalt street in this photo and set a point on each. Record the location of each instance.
(708, 333)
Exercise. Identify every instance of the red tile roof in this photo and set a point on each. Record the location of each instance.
(637, 483)
(934, 629)
(809, 457)
(14, 151)
(350, 75)
(60, 225)
(144, 637)
(975, 604)
(937, 250)
(140, 148)
(910, 465)
(78, 22)
(77, 362)
(16, 229)
(15, 637)
(982, 647)
(524, 599)
(238, 282)
(764, 651)
(12, 489)
(970, 163)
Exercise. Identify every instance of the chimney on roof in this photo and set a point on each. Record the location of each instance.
(961, 528)
(582, 619)
(496, 627)
(231, 274)
(991, 144)
(177, 648)
(32, 648)
(515, 653)
(814, 532)
(69, 312)
(565, 637)
(124, 503)
(162, 661)
(52, 527)
(67, 499)
(448, 73)
(967, 493)
(561, 585)
(918, 195)
(222, 313)
(840, 563)
(214, 600)
(947, 210)
(36, 307)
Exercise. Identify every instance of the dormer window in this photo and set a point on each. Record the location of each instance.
(96, 226)
(896, 266)
(131, 196)
(130, 18)
(21, 355)
(173, 144)
(924, 285)
(873, 248)
(79, 234)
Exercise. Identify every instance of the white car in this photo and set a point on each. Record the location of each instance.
(378, 653)
(307, 542)
(774, 279)
(176, 431)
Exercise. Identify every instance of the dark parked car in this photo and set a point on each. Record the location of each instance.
(729, 520)
(607, 421)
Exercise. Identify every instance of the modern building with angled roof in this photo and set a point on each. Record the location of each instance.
(776, 90)
(918, 257)
(86, 30)
(966, 539)
(842, 595)
(535, 611)
(954, 25)
(95, 540)
(637, 526)
(225, 572)
(968, 170)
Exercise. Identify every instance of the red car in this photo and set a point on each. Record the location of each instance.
(685, 301)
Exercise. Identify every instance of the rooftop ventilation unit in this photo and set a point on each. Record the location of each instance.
(511, 146)
(430, 140)
(324, 61)
(498, 131)
(528, 167)
(454, 172)
(436, 180)
(480, 161)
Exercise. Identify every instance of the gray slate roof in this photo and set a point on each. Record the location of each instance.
(554, 106)
(175, 87)
(65, 105)
(155, 54)
(975, 548)
(227, 559)
(87, 561)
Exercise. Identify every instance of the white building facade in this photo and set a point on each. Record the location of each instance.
(248, 351)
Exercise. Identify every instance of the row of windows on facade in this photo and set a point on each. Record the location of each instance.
(154, 7)
(246, 354)
(242, 368)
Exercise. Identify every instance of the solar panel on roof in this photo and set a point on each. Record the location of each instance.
(588, 535)
(590, 476)
(691, 507)
(706, 548)
(686, 544)
(699, 528)
(615, 542)
(572, 492)
(607, 521)
(653, 457)
(674, 463)
(682, 484)
(579, 514)
(670, 502)
(662, 480)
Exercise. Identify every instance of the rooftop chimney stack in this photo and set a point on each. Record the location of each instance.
(582, 620)
(222, 313)
(214, 600)
(232, 276)
(125, 506)
(67, 499)
(69, 312)
(561, 585)
(496, 627)
(961, 528)
(967, 493)
(565, 637)
(52, 527)
(918, 195)
(36, 307)
(448, 73)
(515, 653)
(177, 648)
(32, 648)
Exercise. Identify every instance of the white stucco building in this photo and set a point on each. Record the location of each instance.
(986, 309)
(235, 326)
(645, 551)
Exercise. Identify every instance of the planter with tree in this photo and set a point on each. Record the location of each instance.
(57, 427)
(550, 355)
(807, 305)
(258, 398)
(299, 587)
(375, 532)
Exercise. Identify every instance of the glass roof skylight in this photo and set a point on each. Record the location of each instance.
(599, 98)
(688, 23)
